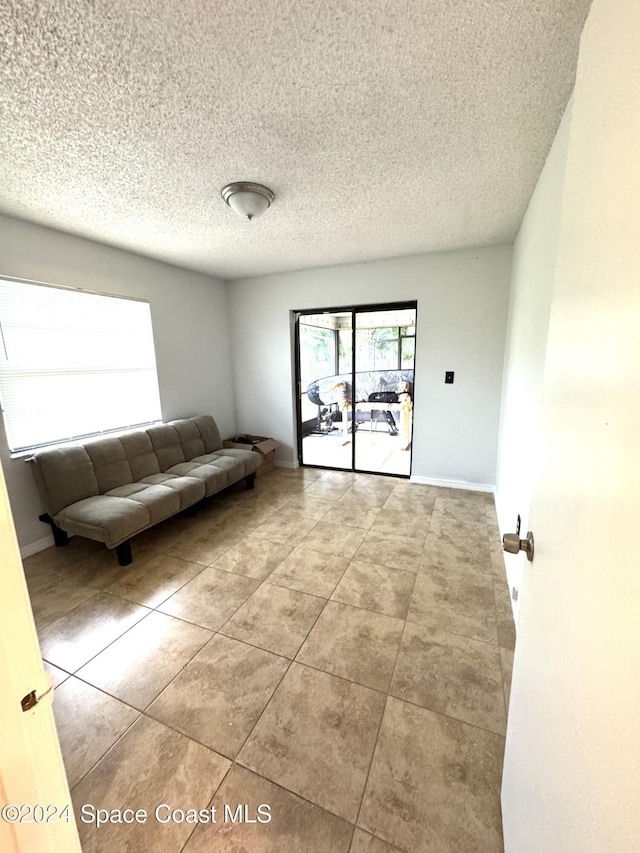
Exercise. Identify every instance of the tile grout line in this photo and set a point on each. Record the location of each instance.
(309, 631)
(68, 612)
(453, 633)
(140, 713)
(108, 749)
(291, 661)
(288, 791)
(155, 608)
(145, 713)
(137, 710)
(152, 610)
(395, 663)
(219, 631)
(149, 610)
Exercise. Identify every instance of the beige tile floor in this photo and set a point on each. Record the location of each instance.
(337, 646)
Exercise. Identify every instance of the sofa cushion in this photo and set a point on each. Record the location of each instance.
(233, 468)
(249, 461)
(160, 501)
(166, 445)
(106, 518)
(139, 452)
(189, 436)
(189, 489)
(209, 432)
(109, 462)
(64, 475)
(213, 477)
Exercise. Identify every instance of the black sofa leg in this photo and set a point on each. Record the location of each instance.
(251, 481)
(59, 536)
(123, 552)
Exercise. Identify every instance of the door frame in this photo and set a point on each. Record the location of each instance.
(31, 767)
(411, 304)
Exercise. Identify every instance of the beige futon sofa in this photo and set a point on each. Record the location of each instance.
(110, 489)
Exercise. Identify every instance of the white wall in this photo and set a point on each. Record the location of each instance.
(190, 325)
(572, 759)
(532, 276)
(462, 309)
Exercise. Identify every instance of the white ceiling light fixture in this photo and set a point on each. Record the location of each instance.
(247, 199)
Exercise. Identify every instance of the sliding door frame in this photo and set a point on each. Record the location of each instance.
(354, 309)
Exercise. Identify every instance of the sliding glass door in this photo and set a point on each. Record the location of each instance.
(324, 359)
(355, 387)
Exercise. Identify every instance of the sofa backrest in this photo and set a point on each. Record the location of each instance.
(166, 445)
(197, 435)
(110, 463)
(209, 433)
(189, 437)
(65, 475)
(142, 459)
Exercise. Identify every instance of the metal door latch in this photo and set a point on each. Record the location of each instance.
(512, 543)
(31, 699)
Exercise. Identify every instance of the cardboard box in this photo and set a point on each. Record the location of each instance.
(266, 447)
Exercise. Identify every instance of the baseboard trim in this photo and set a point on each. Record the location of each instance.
(281, 463)
(453, 484)
(35, 547)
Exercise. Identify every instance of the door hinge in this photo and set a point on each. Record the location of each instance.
(514, 593)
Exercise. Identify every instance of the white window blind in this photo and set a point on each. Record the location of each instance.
(73, 364)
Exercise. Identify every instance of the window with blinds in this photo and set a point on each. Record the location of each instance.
(73, 364)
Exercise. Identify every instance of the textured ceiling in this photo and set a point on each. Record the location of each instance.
(384, 127)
